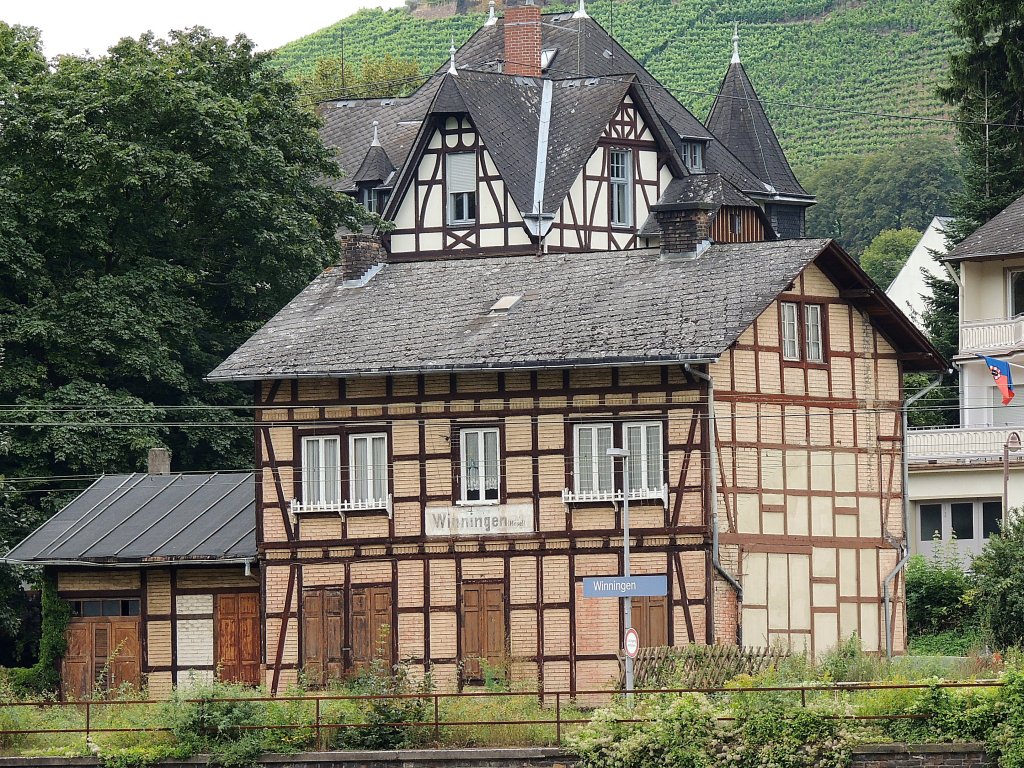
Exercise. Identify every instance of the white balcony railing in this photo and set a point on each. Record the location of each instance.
(616, 497)
(958, 443)
(992, 335)
(296, 507)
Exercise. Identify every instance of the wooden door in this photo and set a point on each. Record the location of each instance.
(103, 653)
(238, 638)
(371, 626)
(323, 635)
(483, 627)
(650, 619)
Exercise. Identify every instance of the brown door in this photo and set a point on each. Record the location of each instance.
(322, 635)
(238, 638)
(483, 626)
(102, 654)
(371, 626)
(650, 618)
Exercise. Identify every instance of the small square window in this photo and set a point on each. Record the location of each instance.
(321, 470)
(92, 608)
(368, 467)
(961, 516)
(643, 439)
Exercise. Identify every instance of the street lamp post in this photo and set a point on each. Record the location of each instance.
(1012, 444)
(627, 608)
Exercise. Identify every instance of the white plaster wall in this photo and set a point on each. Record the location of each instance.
(194, 637)
(984, 294)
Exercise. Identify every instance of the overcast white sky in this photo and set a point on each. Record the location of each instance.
(75, 26)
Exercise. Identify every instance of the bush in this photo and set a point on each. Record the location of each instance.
(939, 593)
(999, 575)
(44, 676)
(384, 716)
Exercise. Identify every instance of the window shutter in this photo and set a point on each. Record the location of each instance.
(462, 172)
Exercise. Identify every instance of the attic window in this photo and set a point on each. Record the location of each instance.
(547, 56)
(693, 156)
(504, 304)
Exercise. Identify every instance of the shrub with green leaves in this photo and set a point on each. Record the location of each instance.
(999, 574)
(384, 717)
(939, 593)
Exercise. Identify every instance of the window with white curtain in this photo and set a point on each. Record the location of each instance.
(620, 173)
(812, 333)
(321, 470)
(368, 467)
(790, 331)
(643, 441)
(481, 465)
(461, 187)
(593, 465)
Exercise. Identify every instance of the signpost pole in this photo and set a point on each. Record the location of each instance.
(627, 612)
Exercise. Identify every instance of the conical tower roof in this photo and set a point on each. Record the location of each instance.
(738, 120)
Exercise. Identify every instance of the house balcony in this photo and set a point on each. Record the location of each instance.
(958, 444)
(992, 335)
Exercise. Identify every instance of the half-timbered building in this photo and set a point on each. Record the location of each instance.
(434, 480)
(542, 134)
(161, 575)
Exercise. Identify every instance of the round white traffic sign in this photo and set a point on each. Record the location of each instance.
(631, 643)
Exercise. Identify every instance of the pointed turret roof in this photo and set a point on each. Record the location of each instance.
(738, 120)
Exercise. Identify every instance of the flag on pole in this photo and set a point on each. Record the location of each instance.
(1000, 370)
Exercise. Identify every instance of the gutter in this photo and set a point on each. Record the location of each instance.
(536, 220)
(246, 561)
(713, 465)
(887, 584)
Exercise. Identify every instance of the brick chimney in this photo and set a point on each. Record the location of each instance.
(522, 40)
(684, 227)
(359, 252)
(159, 461)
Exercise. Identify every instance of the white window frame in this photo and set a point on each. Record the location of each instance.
(790, 330)
(315, 487)
(594, 470)
(814, 336)
(364, 495)
(463, 192)
(620, 188)
(1010, 273)
(640, 462)
(480, 434)
(693, 155)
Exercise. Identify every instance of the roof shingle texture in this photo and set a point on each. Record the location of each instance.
(140, 517)
(1003, 235)
(624, 307)
(738, 119)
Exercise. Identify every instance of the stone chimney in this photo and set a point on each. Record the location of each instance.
(685, 227)
(159, 461)
(522, 40)
(359, 252)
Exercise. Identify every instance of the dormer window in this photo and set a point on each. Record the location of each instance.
(461, 188)
(693, 156)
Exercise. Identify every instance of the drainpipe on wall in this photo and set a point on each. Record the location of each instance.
(713, 467)
(887, 584)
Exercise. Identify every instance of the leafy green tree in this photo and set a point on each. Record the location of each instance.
(887, 253)
(902, 187)
(157, 205)
(999, 571)
(985, 84)
(375, 78)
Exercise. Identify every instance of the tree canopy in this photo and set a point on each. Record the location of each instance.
(887, 253)
(375, 78)
(897, 188)
(157, 205)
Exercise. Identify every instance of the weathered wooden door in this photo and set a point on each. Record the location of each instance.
(650, 618)
(371, 626)
(103, 653)
(323, 635)
(238, 637)
(483, 626)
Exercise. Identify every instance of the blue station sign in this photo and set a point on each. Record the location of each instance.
(625, 586)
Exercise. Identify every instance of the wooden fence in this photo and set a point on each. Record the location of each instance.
(698, 666)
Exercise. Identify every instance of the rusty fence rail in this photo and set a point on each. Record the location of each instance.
(318, 725)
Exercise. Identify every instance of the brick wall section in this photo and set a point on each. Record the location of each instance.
(919, 756)
(683, 230)
(360, 252)
(522, 41)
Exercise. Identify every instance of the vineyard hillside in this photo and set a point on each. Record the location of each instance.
(878, 56)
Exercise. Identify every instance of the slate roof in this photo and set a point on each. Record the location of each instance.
(150, 518)
(1002, 236)
(738, 119)
(604, 308)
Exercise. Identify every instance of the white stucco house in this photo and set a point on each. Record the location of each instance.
(909, 289)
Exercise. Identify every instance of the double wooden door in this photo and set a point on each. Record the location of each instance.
(483, 627)
(650, 619)
(323, 631)
(103, 653)
(238, 633)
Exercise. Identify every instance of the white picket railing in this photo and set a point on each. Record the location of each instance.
(991, 335)
(616, 497)
(297, 508)
(957, 443)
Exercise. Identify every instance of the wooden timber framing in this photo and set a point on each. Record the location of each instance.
(809, 500)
